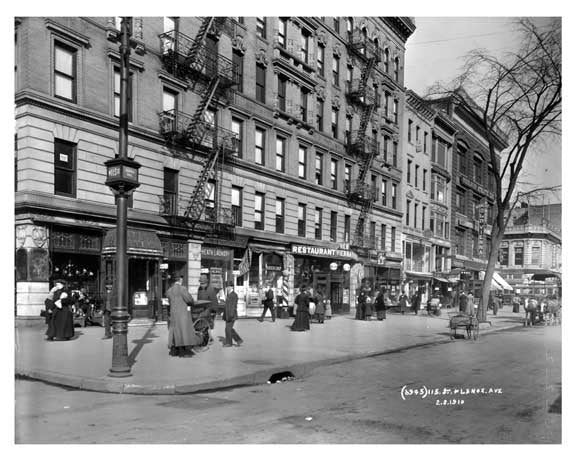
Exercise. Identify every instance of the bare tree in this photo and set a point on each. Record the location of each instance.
(517, 98)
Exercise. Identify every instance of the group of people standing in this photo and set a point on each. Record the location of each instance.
(308, 305)
(58, 313)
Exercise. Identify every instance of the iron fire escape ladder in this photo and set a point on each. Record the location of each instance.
(197, 128)
(199, 40)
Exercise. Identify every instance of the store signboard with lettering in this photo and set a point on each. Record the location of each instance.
(216, 252)
(323, 252)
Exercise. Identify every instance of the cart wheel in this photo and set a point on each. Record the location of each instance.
(202, 328)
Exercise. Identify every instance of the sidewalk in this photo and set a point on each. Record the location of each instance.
(83, 362)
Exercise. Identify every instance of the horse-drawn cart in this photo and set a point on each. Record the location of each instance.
(466, 322)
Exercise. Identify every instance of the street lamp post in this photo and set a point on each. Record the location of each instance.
(122, 178)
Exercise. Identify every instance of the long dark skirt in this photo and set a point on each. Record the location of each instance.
(61, 324)
(381, 314)
(302, 321)
(361, 311)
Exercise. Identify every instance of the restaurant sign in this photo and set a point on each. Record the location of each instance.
(323, 252)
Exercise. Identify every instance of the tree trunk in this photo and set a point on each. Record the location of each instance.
(490, 266)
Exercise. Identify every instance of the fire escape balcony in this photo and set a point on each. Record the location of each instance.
(180, 59)
(360, 94)
(174, 126)
(363, 47)
(361, 145)
(364, 241)
(361, 193)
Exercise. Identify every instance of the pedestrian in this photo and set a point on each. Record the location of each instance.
(181, 334)
(380, 304)
(320, 302)
(403, 302)
(416, 301)
(230, 316)
(62, 322)
(268, 303)
(463, 302)
(369, 306)
(49, 301)
(362, 303)
(302, 306)
(206, 292)
(470, 304)
(496, 305)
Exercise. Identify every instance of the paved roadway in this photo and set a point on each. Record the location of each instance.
(353, 402)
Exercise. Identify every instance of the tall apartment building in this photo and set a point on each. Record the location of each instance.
(530, 256)
(472, 196)
(269, 149)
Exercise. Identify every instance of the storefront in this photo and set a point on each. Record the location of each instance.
(327, 270)
(145, 254)
(383, 271)
(217, 264)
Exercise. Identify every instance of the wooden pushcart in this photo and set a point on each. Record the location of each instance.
(466, 322)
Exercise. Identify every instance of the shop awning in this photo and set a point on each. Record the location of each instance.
(440, 279)
(417, 275)
(498, 283)
(139, 242)
(543, 274)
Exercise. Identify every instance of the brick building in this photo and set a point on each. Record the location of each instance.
(270, 151)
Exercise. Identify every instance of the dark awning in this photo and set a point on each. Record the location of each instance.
(139, 242)
(417, 276)
(543, 274)
(441, 279)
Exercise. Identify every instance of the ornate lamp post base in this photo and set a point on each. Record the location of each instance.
(120, 364)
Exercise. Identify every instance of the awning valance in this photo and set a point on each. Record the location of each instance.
(139, 242)
(440, 279)
(417, 276)
(498, 283)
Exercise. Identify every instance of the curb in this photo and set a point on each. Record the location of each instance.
(299, 370)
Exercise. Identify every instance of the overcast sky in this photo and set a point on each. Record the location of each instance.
(434, 53)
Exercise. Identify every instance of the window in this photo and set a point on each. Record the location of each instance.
(386, 60)
(210, 200)
(424, 180)
(416, 168)
(320, 115)
(169, 24)
(301, 220)
(383, 237)
(349, 26)
(320, 60)
(459, 202)
(425, 142)
(346, 228)
(279, 215)
(304, 104)
(478, 169)
(423, 217)
(396, 69)
(64, 168)
(260, 83)
(408, 203)
(282, 32)
(334, 174)
(372, 234)
(318, 224)
(415, 216)
(387, 106)
(337, 25)
(259, 146)
(395, 154)
(336, 70)
(236, 201)
(519, 255)
(238, 66)
(347, 173)
(280, 153)
(384, 187)
(462, 159)
(117, 94)
(349, 73)
(410, 123)
(259, 211)
(64, 72)
(438, 188)
(261, 26)
(333, 225)
(169, 100)
(334, 123)
(171, 192)
(536, 254)
(504, 256)
(282, 93)
(302, 159)
(318, 169)
(394, 186)
(395, 110)
(392, 239)
(348, 132)
(417, 133)
(374, 185)
(304, 45)
(408, 169)
(237, 130)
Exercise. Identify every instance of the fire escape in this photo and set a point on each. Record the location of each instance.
(361, 146)
(212, 76)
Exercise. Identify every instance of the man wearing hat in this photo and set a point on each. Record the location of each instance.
(230, 316)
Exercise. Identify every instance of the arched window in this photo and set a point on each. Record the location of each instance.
(349, 27)
(386, 60)
(396, 68)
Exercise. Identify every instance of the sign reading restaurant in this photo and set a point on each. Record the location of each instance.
(323, 252)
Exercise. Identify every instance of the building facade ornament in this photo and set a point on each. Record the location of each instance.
(261, 58)
(336, 103)
(322, 40)
(238, 44)
(338, 50)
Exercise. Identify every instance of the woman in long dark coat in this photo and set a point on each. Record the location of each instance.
(361, 306)
(380, 305)
(62, 322)
(302, 321)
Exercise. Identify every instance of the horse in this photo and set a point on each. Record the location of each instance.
(530, 312)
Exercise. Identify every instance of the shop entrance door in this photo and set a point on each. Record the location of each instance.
(336, 297)
(143, 283)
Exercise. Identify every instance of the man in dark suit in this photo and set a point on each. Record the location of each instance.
(230, 316)
(268, 303)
